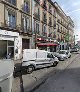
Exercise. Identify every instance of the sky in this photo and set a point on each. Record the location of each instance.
(72, 9)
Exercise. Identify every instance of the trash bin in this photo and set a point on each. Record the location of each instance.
(6, 75)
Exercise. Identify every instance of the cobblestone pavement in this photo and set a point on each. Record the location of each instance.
(31, 80)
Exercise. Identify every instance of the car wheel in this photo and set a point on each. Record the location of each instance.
(55, 64)
(30, 69)
(69, 56)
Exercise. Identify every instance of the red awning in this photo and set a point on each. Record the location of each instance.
(47, 44)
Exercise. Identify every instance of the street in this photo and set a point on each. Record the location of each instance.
(52, 79)
(67, 80)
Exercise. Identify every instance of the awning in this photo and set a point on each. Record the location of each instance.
(47, 44)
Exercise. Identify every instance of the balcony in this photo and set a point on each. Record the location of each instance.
(54, 26)
(50, 35)
(44, 20)
(44, 5)
(38, 32)
(44, 34)
(50, 23)
(13, 2)
(37, 16)
(10, 25)
(38, 1)
(58, 40)
(27, 30)
(50, 9)
(54, 35)
(58, 20)
(58, 30)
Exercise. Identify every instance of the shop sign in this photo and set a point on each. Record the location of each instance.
(8, 33)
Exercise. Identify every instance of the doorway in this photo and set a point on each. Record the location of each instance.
(25, 43)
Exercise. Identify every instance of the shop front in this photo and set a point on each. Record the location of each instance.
(6, 49)
(7, 44)
(47, 44)
(50, 46)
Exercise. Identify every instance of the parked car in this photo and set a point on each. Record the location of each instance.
(74, 50)
(63, 54)
(34, 58)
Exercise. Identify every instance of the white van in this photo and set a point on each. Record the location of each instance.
(34, 58)
(6, 75)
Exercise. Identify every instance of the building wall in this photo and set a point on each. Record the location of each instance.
(53, 13)
(1, 14)
(17, 9)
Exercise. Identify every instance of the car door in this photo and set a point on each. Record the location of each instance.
(40, 62)
(50, 58)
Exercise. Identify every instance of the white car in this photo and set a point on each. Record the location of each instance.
(34, 58)
(63, 54)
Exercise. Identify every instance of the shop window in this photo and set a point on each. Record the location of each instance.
(10, 43)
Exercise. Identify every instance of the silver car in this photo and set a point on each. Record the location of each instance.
(63, 54)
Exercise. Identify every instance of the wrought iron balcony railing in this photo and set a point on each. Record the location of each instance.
(37, 16)
(44, 34)
(10, 24)
(38, 1)
(44, 20)
(50, 23)
(13, 2)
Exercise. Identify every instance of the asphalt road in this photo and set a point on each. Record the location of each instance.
(52, 73)
(67, 80)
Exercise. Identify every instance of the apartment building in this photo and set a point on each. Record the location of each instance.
(15, 27)
(44, 24)
(71, 31)
(64, 28)
(28, 24)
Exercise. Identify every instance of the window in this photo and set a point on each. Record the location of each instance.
(54, 24)
(44, 30)
(26, 24)
(50, 55)
(11, 20)
(37, 11)
(26, 6)
(37, 28)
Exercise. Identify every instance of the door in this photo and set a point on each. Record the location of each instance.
(25, 43)
(41, 59)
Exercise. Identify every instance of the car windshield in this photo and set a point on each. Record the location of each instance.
(61, 52)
